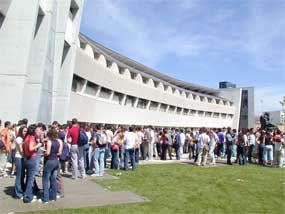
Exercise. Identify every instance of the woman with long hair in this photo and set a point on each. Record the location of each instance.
(51, 166)
(19, 161)
(30, 162)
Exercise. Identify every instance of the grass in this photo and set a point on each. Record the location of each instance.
(177, 188)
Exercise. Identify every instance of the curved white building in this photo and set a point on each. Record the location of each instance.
(66, 76)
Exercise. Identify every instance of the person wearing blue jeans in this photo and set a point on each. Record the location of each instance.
(19, 182)
(50, 172)
(30, 166)
(99, 161)
(129, 153)
(51, 166)
(115, 157)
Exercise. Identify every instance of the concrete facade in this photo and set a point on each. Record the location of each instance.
(38, 45)
(66, 75)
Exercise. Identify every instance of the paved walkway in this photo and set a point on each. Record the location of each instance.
(78, 193)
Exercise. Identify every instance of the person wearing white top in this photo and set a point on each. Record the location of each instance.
(213, 141)
(19, 160)
(203, 147)
(130, 139)
(182, 138)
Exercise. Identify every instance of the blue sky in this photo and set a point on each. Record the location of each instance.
(203, 41)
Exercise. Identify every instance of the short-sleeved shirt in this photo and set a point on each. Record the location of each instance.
(30, 140)
(73, 133)
(19, 141)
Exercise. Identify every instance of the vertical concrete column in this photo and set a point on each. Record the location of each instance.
(16, 36)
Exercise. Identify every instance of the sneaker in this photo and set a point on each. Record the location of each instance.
(35, 197)
(95, 175)
(34, 200)
(41, 201)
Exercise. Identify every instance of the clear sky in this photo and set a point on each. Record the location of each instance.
(203, 41)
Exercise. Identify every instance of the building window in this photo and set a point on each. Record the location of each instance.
(216, 115)
(217, 101)
(230, 116)
(178, 110)
(118, 97)
(39, 21)
(224, 116)
(153, 105)
(73, 9)
(105, 93)
(145, 79)
(77, 83)
(163, 107)
(193, 112)
(133, 75)
(142, 103)
(121, 70)
(65, 51)
(91, 88)
(210, 100)
(185, 111)
(1, 19)
(208, 114)
(202, 99)
(130, 101)
(109, 63)
(195, 97)
(171, 109)
(200, 113)
(224, 102)
(231, 103)
(156, 83)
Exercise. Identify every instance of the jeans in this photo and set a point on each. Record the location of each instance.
(177, 151)
(19, 182)
(150, 151)
(164, 150)
(99, 161)
(241, 155)
(261, 148)
(234, 151)
(129, 153)
(268, 153)
(39, 157)
(77, 157)
(50, 173)
(30, 165)
(137, 155)
(250, 153)
(191, 150)
(115, 159)
(229, 154)
(86, 157)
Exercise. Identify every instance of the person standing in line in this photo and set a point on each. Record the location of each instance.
(73, 137)
(110, 136)
(241, 147)
(278, 148)
(251, 145)
(130, 141)
(19, 160)
(99, 141)
(203, 147)
(177, 144)
(213, 141)
(221, 152)
(164, 142)
(30, 162)
(140, 137)
(182, 138)
(51, 166)
(5, 147)
(230, 138)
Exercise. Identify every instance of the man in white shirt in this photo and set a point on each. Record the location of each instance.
(130, 139)
(203, 147)
(182, 138)
(213, 141)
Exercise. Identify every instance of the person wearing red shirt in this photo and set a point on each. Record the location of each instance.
(72, 138)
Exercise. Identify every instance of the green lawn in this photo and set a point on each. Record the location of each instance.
(177, 188)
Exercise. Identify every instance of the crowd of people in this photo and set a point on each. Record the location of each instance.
(84, 149)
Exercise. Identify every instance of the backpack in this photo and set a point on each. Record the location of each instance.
(102, 139)
(65, 154)
(83, 138)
